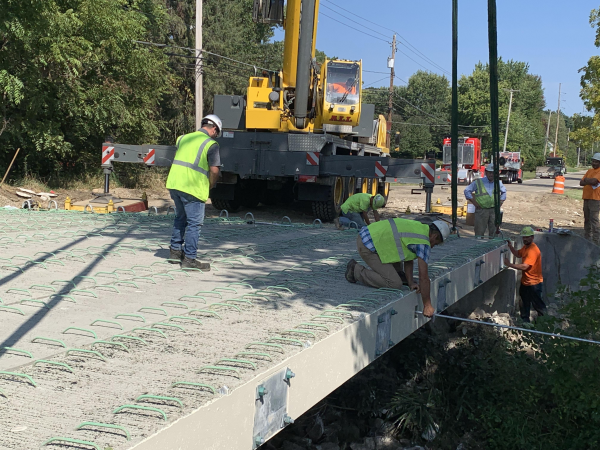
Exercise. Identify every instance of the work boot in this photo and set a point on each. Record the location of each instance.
(175, 256)
(188, 263)
(350, 271)
(337, 224)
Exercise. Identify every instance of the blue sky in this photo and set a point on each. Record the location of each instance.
(554, 37)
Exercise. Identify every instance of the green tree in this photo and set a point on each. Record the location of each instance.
(526, 130)
(419, 108)
(70, 73)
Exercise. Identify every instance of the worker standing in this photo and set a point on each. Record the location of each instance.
(591, 201)
(194, 171)
(531, 277)
(356, 209)
(385, 245)
(481, 194)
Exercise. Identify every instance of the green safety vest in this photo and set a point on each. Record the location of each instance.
(357, 203)
(190, 172)
(481, 195)
(392, 237)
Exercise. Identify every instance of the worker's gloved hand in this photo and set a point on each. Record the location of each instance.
(428, 311)
(415, 287)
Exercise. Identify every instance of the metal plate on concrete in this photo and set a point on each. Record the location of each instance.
(271, 407)
(384, 332)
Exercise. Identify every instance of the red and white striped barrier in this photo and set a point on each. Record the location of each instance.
(428, 171)
(312, 158)
(108, 154)
(380, 170)
(150, 157)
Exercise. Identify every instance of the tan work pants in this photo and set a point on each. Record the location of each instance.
(485, 219)
(380, 275)
(591, 223)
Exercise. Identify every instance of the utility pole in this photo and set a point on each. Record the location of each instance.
(567, 149)
(454, 116)
(508, 119)
(547, 133)
(198, 71)
(391, 96)
(557, 123)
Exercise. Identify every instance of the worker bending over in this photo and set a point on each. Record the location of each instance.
(385, 245)
(591, 201)
(481, 193)
(194, 171)
(531, 277)
(356, 209)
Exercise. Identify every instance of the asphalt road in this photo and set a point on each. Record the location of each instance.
(535, 185)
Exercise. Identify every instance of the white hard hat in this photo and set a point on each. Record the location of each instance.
(443, 227)
(214, 119)
(489, 168)
(596, 156)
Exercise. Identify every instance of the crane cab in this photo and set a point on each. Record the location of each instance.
(341, 93)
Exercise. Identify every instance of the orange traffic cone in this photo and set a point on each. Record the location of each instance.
(559, 185)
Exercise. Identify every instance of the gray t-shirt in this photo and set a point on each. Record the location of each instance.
(214, 157)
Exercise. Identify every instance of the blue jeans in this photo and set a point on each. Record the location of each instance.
(346, 218)
(188, 222)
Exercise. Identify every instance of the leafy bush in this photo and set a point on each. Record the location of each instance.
(512, 391)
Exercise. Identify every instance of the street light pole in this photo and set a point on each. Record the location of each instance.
(508, 119)
(547, 135)
(557, 122)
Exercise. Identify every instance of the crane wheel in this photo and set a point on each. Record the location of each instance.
(373, 184)
(330, 209)
(350, 187)
(384, 190)
(364, 185)
(229, 205)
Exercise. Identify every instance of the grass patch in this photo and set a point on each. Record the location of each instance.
(528, 175)
(574, 193)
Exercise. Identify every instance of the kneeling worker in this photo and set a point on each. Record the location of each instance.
(356, 209)
(531, 277)
(385, 245)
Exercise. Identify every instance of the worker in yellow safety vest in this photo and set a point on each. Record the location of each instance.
(194, 172)
(481, 194)
(356, 209)
(389, 247)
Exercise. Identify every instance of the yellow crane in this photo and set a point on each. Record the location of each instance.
(300, 133)
(305, 96)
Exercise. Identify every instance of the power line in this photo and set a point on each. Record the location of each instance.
(384, 78)
(417, 108)
(203, 51)
(360, 31)
(353, 21)
(404, 81)
(403, 41)
(416, 62)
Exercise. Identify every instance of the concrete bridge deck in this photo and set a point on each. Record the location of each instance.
(203, 343)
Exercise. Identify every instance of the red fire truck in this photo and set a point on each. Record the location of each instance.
(471, 165)
(470, 161)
